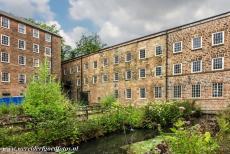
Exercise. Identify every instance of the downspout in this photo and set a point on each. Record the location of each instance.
(166, 68)
(81, 89)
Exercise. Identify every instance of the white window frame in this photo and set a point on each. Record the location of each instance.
(50, 50)
(24, 78)
(94, 79)
(78, 68)
(140, 53)
(181, 69)
(8, 40)
(24, 44)
(181, 47)
(201, 43)
(218, 90)
(195, 90)
(8, 57)
(159, 93)
(140, 93)
(127, 93)
(156, 71)
(20, 24)
(103, 78)
(213, 38)
(156, 50)
(78, 82)
(34, 48)
(107, 62)
(34, 33)
(24, 60)
(126, 55)
(116, 62)
(213, 64)
(95, 66)
(181, 90)
(34, 63)
(8, 23)
(114, 79)
(8, 77)
(126, 72)
(140, 73)
(50, 38)
(201, 66)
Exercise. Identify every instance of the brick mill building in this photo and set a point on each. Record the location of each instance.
(190, 62)
(23, 47)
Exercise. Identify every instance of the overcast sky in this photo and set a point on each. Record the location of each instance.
(114, 20)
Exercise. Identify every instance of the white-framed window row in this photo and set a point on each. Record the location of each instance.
(5, 22)
(217, 38)
(47, 37)
(36, 48)
(196, 91)
(142, 93)
(128, 93)
(142, 54)
(158, 71)
(22, 78)
(218, 63)
(217, 89)
(116, 77)
(5, 57)
(5, 77)
(177, 47)
(158, 92)
(21, 60)
(48, 51)
(142, 73)
(158, 50)
(36, 62)
(196, 66)
(22, 44)
(196, 43)
(177, 91)
(128, 57)
(35, 33)
(22, 28)
(177, 69)
(5, 40)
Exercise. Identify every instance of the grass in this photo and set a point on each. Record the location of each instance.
(143, 146)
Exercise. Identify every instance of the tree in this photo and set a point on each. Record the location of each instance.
(87, 44)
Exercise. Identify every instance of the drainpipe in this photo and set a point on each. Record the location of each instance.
(81, 89)
(166, 67)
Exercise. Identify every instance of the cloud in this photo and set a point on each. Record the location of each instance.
(28, 8)
(121, 20)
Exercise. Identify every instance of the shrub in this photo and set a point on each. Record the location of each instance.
(108, 101)
(190, 140)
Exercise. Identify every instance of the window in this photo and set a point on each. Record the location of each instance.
(5, 22)
(21, 60)
(128, 93)
(22, 78)
(197, 66)
(94, 79)
(177, 47)
(5, 40)
(47, 51)
(196, 90)
(218, 38)
(218, 63)
(142, 93)
(36, 48)
(217, 89)
(49, 64)
(36, 62)
(142, 73)
(70, 71)
(196, 43)
(95, 64)
(158, 71)
(177, 69)
(128, 57)
(116, 76)
(116, 93)
(5, 57)
(64, 72)
(78, 82)
(116, 60)
(128, 75)
(86, 66)
(78, 68)
(6, 94)
(85, 81)
(158, 50)
(105, 78)
(5, 76)
(47, 37)
(177, 91)
(22, 28)
(35, 33)
(21, 44)
(158, 92)
(105, 62)
(142, 54)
